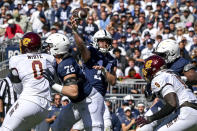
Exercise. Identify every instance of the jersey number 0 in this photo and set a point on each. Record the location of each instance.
(37, 69)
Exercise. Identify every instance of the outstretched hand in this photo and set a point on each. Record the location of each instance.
(103, 70)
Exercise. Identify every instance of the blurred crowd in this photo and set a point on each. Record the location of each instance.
(137, 26)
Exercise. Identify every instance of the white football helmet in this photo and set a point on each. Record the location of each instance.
(59, 44)
(102, 34)
(169, 50)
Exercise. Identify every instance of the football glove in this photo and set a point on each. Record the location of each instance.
(140, 121)
(52, 78)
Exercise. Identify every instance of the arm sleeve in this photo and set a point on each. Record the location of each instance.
(166, 110)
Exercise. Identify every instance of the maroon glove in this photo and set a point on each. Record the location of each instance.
(140, 121)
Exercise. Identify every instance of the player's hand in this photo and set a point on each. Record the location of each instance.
(104, 71)
(98, 67)
(141, 121)
(52, 78)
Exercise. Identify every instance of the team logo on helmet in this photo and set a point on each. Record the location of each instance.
(26, 41)
(148, 64)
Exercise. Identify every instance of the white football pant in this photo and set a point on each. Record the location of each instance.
(23, 115)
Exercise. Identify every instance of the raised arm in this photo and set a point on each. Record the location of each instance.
(85, 53)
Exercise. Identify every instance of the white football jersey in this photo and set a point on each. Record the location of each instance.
(166, 81)
(30, 67)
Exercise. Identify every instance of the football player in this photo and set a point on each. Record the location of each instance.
(169, 87)
(32, 106)
(99, 66)
(169, 50)
(85, 100)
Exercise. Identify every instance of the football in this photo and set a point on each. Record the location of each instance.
(80, 13)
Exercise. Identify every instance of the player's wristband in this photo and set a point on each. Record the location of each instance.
(57, 87)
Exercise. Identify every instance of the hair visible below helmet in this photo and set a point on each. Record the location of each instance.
(104, 35)
(59, 43)
(152, 65)
(30, 42)
(169, 50)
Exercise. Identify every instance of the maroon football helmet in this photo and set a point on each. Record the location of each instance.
(31, 42)
(152, 65)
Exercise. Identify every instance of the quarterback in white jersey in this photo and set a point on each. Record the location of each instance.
(32, 106)
(178, 98)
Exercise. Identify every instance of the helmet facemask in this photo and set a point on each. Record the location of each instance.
(167, 56)
(163, 55)
(104, 48)
(45, 48)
